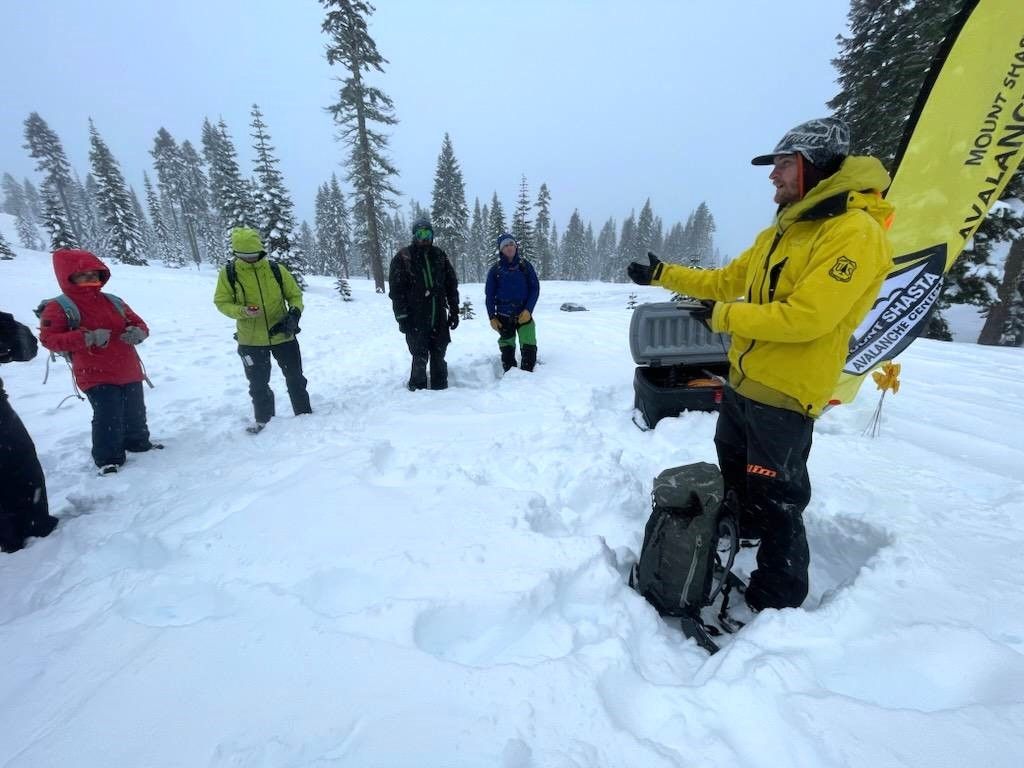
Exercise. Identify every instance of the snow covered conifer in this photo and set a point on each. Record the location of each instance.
(608, 265)
(16, 204)
(6, 252)
(124, 238)
(45, 147)
(466, 310)
(522, 227)
(574, 248)
(229, 194)
(448, 211)
(275, 219)
(495, 223)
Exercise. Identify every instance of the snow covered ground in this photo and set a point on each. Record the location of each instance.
(438, 578)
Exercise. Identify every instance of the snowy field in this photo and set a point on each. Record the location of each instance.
(438, 578)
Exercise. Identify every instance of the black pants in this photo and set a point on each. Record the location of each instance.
(427, 346)
(118, 422)
(762, 452)
(24, 510)
(256, 361)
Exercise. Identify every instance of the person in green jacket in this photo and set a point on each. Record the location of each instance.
(790, 304)
(266, 303)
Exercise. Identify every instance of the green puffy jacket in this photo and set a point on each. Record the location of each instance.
(805, 284)
(255, 285)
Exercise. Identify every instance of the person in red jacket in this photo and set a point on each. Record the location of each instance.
(103, 357)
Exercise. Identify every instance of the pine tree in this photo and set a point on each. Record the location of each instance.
(627, 244)
(344, 289)
(448, 211)
(542, 233)
(274, 206)
(34, 200)
(163, 246)
(557, 269)
(170, 177)
(55, 218)
(643, 235)
(145, 228)
(6, 252)
(703, 242)
(496, 223)
(608, 267)
(574, 248)
(124, 238)
(45, 147)
(306, 240)
(341, 226)
(522, 227)
(16, 205)
(359, 106)
(631, 301)
(229, 194)
(479, 254)
(466, 310)
(882, 67)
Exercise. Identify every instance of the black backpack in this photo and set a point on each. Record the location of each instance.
(689, 547)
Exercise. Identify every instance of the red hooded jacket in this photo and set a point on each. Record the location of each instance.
(116, 363)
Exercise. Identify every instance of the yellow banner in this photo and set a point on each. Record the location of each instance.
(966, 140)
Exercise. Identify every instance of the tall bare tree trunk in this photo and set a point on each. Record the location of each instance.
(992, 331)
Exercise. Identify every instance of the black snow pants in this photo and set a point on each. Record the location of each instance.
(257, 370)
(118, 422)
(762, 451)
(428, 346)
(24, 510)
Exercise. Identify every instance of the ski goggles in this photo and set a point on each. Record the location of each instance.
(424, 233)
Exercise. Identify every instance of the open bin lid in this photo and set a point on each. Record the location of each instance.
(664, 333)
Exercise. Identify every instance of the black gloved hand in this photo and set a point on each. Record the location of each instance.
(288, 325)
(453, 320)
(403, 325)
(642, 274)
(291, 321)
(702, 314)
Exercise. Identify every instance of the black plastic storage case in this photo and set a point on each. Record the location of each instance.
(672, 349)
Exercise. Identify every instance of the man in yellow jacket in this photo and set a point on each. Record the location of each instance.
(791, 303)
(264, 299)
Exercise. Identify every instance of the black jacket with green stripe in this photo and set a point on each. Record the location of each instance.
(424, 290)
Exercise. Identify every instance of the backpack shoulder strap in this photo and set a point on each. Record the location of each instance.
(74, 317)
(275, 268)
(118, 303)
(229, 269)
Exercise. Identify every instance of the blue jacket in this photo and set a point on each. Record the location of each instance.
(511, 287)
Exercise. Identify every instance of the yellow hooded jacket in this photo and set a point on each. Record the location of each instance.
(806, 284)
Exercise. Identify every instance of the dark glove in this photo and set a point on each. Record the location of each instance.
(403, 325)
(702, 314)
(453, 320)
(288, 325)
(16, 341)
(133, 335)
(642, 274)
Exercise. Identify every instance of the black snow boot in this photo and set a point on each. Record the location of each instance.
(508, 357)
(529, 354)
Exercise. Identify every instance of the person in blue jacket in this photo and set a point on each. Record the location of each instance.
(512, 290)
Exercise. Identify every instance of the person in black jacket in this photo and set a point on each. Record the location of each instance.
(424, 294)
(24, 510)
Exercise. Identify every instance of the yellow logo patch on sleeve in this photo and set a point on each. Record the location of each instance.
(843, 269)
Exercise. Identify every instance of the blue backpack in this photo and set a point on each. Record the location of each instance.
(74, 317)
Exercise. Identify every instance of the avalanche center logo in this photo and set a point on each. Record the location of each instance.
(843, 269)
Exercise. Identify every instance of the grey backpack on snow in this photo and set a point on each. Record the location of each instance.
(689, 543)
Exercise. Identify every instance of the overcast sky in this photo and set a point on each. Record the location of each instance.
(608, 102)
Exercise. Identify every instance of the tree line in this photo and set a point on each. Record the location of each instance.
(199, 195)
